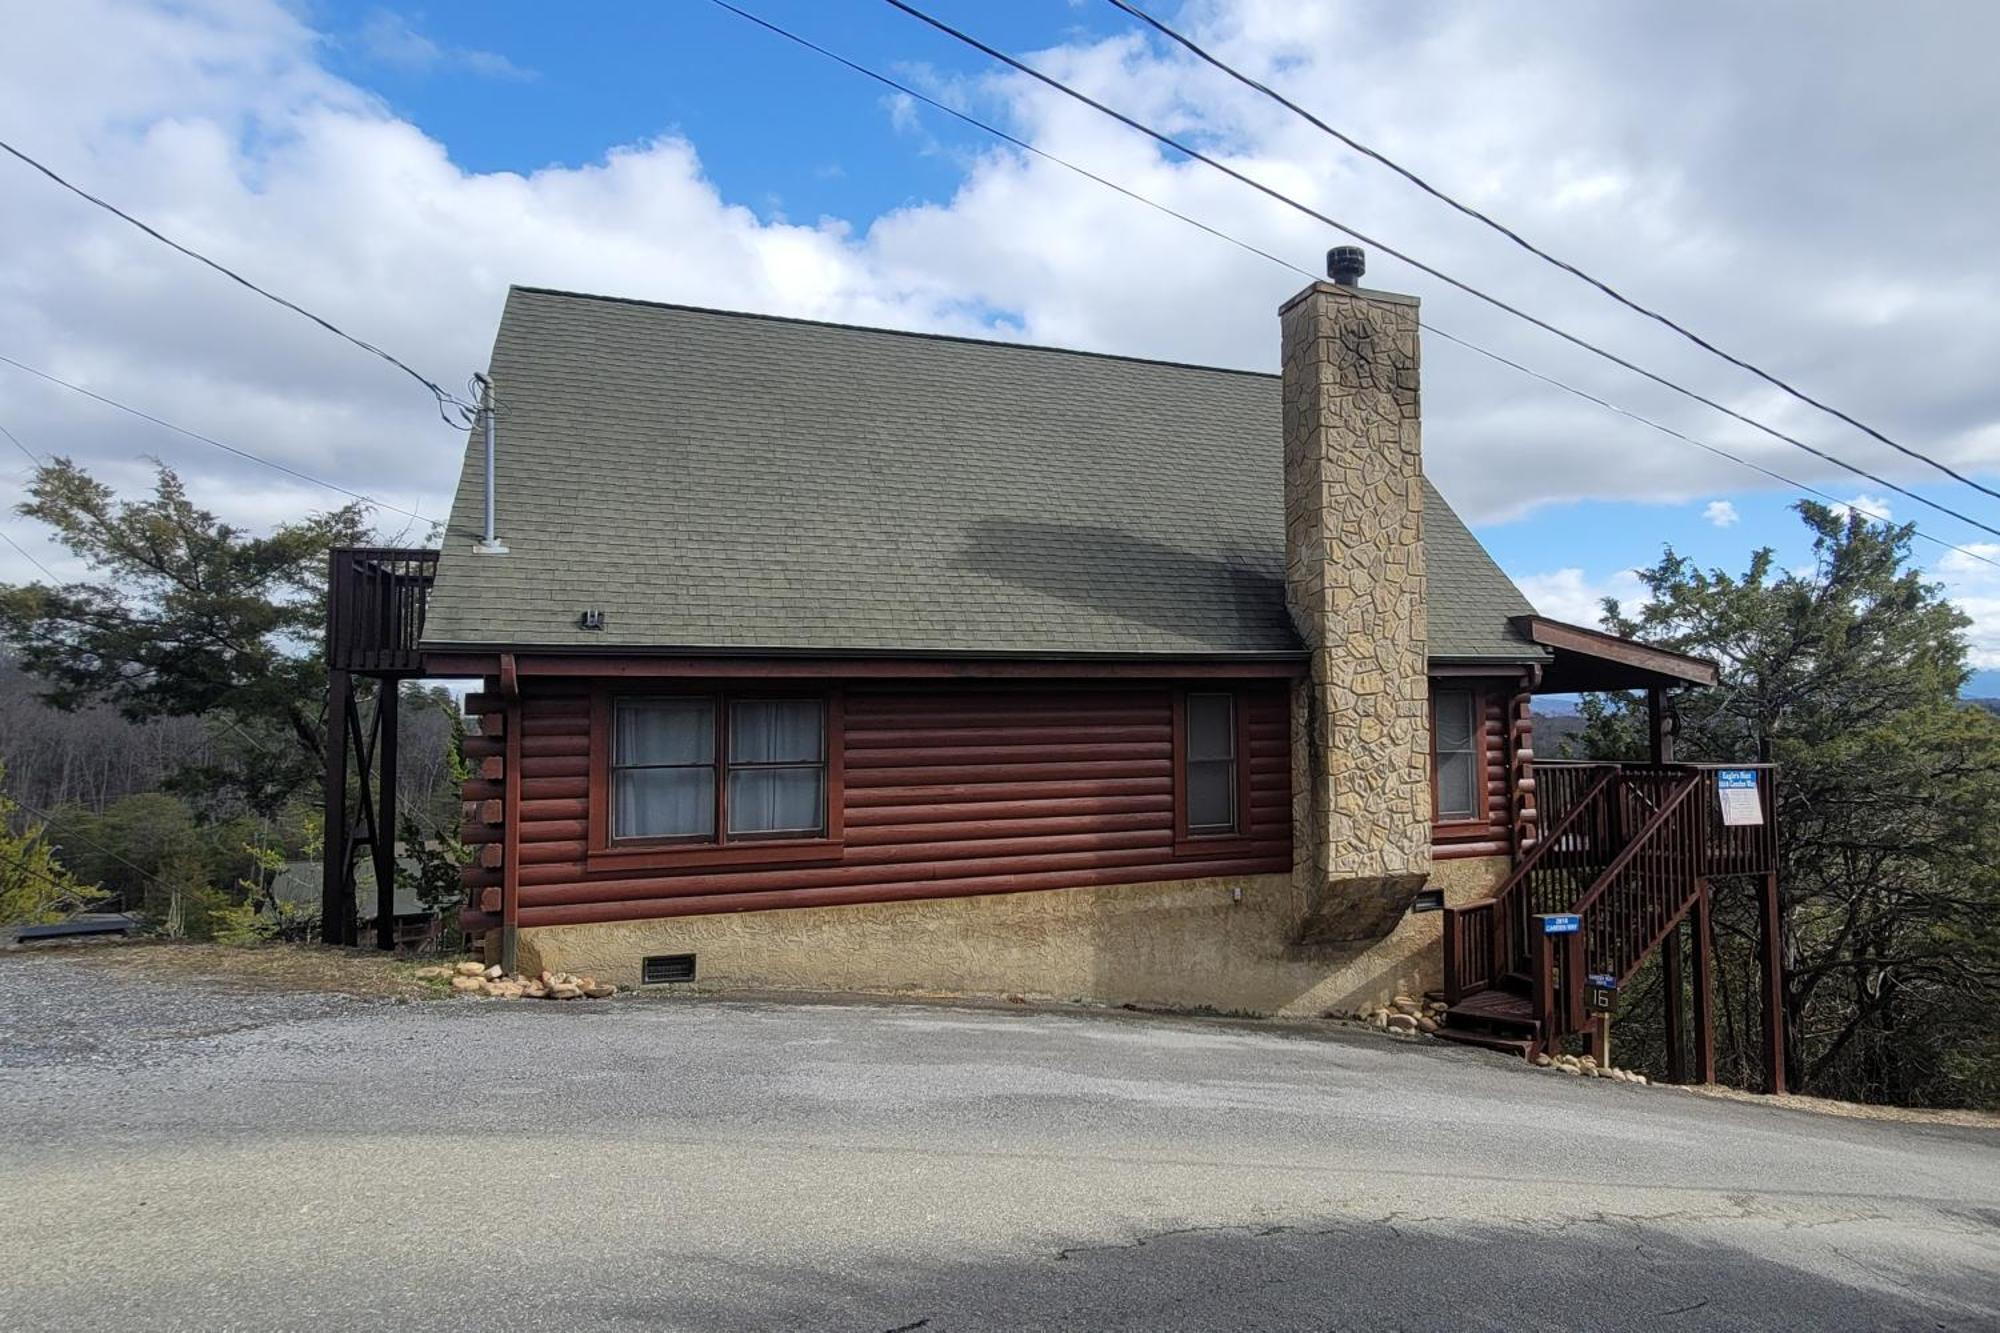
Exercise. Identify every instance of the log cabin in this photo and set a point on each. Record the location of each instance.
(827, 657)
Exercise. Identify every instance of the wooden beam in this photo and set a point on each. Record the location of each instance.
(1674, 976)
(387, 697)
(334, 903)
(1610, 648)
(1772, 957)
(1704, 988)
(664, 665)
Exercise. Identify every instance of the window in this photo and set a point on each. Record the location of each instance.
(1456, 760)
(1210, 772)
(682, 768)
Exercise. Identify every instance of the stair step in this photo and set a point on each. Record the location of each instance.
(1495, 1010)
(1491, 1041)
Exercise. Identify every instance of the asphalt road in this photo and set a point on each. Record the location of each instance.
(170, 1159)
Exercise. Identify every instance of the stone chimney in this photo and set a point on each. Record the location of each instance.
(1354, 581)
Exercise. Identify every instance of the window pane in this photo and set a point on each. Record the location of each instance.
(776, 800)
(1454, 720)
(665, 731)
(774, 731)
(1211, 795)
(1456, 776)
(1211, 730)
(663, 803)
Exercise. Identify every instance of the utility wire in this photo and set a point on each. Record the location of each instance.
(444, 398)
(21, 864)
(27, 556)
(1310, 276)
(32, 456)
(97, 847)
(1196, 154)
(1161, 27)
(208, 440)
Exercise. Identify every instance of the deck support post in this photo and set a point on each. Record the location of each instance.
(1772, 957)
(336, 904)
(1659, 726)
(1673, 976)
(1704, 984)
(387, 692)
(510, 832)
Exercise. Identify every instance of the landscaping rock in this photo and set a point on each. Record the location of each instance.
(1400, 1023)
(467, 983)
(470, 969)
(600, 992)
(1542, 1059)
(494, 973)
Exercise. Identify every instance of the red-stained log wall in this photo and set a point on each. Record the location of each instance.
(1499, 736)
(948, 790)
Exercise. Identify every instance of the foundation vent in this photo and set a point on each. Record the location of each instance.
(663, 968)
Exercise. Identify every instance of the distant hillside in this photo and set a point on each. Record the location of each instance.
(1552, 730)
(1990, 705)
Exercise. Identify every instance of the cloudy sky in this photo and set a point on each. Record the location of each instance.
(1808, 184)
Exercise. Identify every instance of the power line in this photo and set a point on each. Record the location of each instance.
(1310, 276)
(25, 555)
(438, 391)
(1197, 155)
(1533, 249)
(32, 456)
(99, 848)
(21, 864)
(208, 440)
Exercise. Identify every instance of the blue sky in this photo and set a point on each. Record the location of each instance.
(398, 165)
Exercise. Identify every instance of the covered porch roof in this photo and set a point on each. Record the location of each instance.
(1588, 659)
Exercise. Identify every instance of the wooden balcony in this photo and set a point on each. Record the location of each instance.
(376, 600)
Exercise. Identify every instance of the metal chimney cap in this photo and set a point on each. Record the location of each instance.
(1345, 264)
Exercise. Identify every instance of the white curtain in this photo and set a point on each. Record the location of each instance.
(675, 797)
(788, 799)
(1457, 757)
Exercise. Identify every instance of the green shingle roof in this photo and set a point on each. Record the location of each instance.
(712, 480)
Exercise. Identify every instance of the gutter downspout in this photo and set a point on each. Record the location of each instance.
(489, 543)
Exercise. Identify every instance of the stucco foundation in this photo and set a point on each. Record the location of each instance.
(1184, 943)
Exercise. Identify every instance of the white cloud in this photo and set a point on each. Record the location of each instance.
(391, 39)
(218, 120)
(1570, 594)
(1720, 513)
(1975, 586)
(1875, 507)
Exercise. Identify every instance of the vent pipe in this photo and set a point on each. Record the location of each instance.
(489, 543)
(1345, 264)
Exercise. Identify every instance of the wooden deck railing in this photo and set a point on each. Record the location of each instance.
(376, 597)
(1625, 848)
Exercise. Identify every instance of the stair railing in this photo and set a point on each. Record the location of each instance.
(1642, 894)
(1485, 940)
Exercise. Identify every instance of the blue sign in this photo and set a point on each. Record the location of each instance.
(1564, 923)
(1600, 980)
(1736, 788)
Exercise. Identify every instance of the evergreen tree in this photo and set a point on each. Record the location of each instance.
(1846, 674)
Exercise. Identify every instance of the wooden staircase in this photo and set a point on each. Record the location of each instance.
(1627, 854)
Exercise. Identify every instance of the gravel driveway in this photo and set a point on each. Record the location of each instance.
(172, 1158)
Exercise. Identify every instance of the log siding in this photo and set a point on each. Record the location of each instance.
(945, 790)
(1501, 737)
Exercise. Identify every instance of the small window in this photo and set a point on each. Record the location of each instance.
(683, 769)
(1455, 748)
(1211, 764)
(777, 767)
(663, 769)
